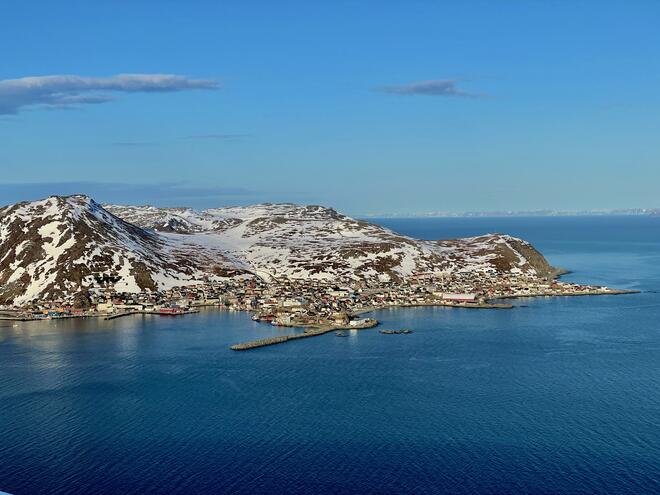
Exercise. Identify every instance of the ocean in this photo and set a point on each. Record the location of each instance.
(558, 395)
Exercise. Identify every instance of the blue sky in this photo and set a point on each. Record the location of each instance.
(387, 106)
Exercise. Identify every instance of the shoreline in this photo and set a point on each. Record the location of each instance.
(104, 316)
(314, 330)
(609, 292)
(323, 329)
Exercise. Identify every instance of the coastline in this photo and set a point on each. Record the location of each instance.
(313, 330)
(105, 316)
(323, 329)
(609, 292)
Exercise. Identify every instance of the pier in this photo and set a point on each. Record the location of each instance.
(601, 292)
(311, 332)
(119, 315)
(156, 312)
(484, 305)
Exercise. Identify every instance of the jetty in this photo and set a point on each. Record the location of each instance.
(309, 332)
(481, 305)
(155, 312)
(119, 315)
(599, 292)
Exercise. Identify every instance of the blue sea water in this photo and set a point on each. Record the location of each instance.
(558, 395)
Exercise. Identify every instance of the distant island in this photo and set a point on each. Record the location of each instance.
(521, 213)
(307, 266)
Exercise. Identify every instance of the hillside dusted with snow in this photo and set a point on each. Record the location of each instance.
(65, 247)
(284, 241)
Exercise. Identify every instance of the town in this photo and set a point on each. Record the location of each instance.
(307, 303)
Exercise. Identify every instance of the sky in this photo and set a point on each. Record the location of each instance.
(371, 107)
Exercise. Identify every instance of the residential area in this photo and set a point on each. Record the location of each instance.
(303, 303)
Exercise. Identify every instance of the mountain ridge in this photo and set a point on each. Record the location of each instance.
(66, 246)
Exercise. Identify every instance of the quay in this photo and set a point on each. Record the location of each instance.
(4, 317)
(119, 315)
(159, 312)
(486, 305)
(478, 305)
(608, 292)
(16, 318)
(310, 332)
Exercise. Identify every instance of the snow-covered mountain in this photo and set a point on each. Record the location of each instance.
(65, 246)
(280, 241)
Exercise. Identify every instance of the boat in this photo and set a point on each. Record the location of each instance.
(165, 312)
(395, 332)
(340, 334)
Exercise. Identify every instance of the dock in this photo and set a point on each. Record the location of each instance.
(608, 292)
(254, 344)
(119, 315)
(310, 332)
(162, 313)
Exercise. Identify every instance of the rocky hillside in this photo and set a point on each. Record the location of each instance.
(66, 246)
(280, 241)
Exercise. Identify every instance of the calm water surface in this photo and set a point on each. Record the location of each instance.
(555, 396)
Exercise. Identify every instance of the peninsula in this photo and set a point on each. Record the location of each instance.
(292, 266)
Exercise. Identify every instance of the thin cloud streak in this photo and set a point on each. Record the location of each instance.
(131, 144)
(210, 137)
(67, 91)
(219, 137)
(438, 87)
(159, 194)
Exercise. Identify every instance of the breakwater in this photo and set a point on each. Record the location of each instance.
(446, 304)
(608, 292)
(119, 315)
(157, 312)
(310, 332)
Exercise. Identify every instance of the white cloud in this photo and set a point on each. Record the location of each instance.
(438, 87)
(162, 194)
(70, 90)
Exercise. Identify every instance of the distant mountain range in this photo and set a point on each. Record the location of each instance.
(66, 246)
(522, 213)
